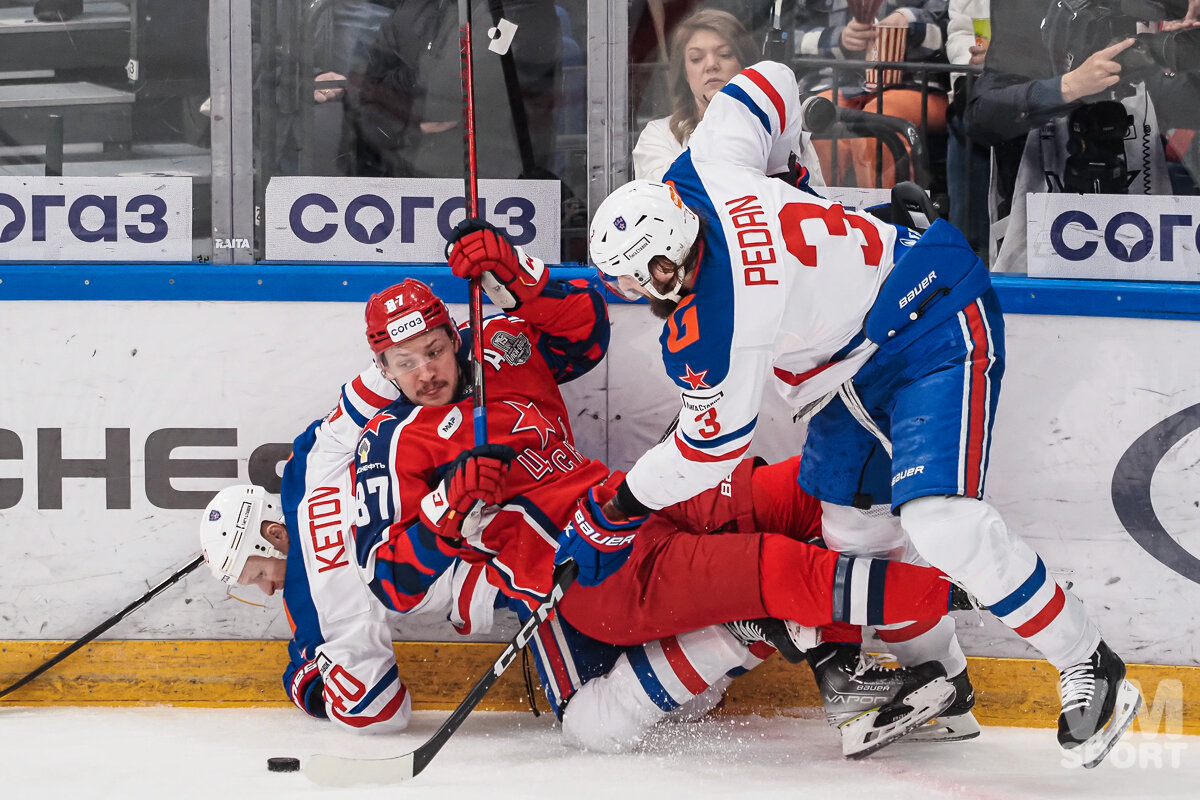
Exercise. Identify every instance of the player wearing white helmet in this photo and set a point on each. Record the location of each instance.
(342, 665)
(244, 539)
(892, 342)
(641, 237)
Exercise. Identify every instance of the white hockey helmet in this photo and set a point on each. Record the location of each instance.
(636, 223)
(231, 529)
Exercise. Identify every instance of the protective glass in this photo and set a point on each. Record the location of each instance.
(402, 362)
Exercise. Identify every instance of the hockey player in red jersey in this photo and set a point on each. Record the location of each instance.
(425, 495)
(341, 664)
(892, 341)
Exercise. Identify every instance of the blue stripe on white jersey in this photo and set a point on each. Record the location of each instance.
(296, 591)
(392, 676)
(360, 419)
(739, 94)
(743, 432)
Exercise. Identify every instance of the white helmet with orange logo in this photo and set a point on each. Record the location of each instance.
(638, 222)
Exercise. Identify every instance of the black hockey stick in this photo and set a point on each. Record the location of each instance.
(103, 626)
(345, 771)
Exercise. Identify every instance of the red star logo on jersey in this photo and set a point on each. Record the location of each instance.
(694, 379)
(376, 421)
(531, 419)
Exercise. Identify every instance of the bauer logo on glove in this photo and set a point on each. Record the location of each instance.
(599, 545)
(600, 539)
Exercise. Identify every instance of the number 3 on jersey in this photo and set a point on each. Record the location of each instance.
(837, 222)
(710, 425)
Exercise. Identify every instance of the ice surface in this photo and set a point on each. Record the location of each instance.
(181, 753)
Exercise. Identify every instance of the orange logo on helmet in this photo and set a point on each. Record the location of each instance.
(674, 194)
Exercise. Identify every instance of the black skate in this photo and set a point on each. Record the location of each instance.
(956, 723)
(924, 693)
(791, 639)
(851, 681)
(874, 706)
(1098, 705)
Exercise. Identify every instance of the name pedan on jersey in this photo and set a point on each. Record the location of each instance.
(784, 282)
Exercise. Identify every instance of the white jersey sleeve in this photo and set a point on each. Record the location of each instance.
(782, 285)
(716, 426)
(341, 633)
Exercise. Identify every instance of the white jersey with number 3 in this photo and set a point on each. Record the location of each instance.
(784, 282)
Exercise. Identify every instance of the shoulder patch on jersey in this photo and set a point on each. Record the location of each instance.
(450, 424)
(516, 348)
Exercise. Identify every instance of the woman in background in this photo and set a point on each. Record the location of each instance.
(707, 49)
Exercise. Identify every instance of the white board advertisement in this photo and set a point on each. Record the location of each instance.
(149, 408)
(401, 220)
(118, 420)
(1120, 237)
(96, 219)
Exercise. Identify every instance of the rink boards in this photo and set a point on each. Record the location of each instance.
(121, 413)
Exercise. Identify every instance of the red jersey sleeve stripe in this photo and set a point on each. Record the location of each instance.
(762, 83)
(692, 454)
(376, 400)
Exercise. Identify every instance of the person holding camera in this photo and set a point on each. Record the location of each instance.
(1091, 128)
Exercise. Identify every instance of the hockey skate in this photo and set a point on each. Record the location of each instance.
(956, 723)
(1098, 705)
(791, 639)
(873, 706)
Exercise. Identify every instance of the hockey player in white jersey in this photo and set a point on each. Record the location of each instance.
(891, 341)
(341, 662)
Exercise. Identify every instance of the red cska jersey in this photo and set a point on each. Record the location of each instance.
(405, 448)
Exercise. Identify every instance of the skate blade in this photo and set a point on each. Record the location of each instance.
(957, 728)
(861, 737)
(1093, 750)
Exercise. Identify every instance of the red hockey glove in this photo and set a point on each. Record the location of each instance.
(479, 250)
(474, 479)
(599, 545)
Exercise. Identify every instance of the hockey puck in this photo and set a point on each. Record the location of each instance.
(283, 764)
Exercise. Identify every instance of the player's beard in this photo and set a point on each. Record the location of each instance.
(662, 308)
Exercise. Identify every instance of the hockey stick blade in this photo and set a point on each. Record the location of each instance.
(343, 771)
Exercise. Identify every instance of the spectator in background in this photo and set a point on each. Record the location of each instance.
(404, 100)
(707, 49)
(1024, 103)
(649, 51)
(829, 29)
(968, 165)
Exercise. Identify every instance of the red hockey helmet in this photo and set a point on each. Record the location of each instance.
(403, 311)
